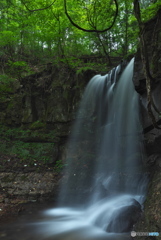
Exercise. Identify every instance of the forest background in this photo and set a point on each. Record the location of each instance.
(34, 33)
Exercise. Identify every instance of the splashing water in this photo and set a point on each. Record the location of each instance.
(104, 183)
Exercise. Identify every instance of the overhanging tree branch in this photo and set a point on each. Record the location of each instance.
(104, 49)
(40, 9)
(91, 30)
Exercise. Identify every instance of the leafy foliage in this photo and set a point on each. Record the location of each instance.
(6, 86)
(149, 9)
(39, 31)
(48, 33)
(18, 68)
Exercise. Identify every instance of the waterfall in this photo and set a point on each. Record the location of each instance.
(104, 181)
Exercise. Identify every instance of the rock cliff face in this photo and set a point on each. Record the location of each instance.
(47, 101)
(41, 109)
(50, 96)
(151, 221)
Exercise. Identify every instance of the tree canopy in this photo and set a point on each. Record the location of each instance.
(43, 31)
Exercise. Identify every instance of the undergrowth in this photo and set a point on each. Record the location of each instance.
(27, 145)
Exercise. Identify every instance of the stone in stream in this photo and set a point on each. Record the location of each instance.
(125, 217)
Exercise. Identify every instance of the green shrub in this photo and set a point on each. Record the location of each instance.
(18, 69)
(14, 141)
(6, 84)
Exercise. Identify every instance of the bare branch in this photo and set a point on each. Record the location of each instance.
(91, 30)
(104, 49)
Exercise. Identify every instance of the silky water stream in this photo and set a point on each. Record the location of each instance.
(104, 182)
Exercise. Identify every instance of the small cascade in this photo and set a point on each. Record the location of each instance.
(104, 181)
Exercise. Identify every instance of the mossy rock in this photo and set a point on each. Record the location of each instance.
(151, 220)
(37, 125)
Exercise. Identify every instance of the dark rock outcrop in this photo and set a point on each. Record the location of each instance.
(151, 222)
(124, 218)
(50, 96)
(152, 40)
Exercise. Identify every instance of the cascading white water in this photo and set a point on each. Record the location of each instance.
(104, 181)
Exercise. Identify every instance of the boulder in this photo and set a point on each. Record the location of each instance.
(125, 217)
